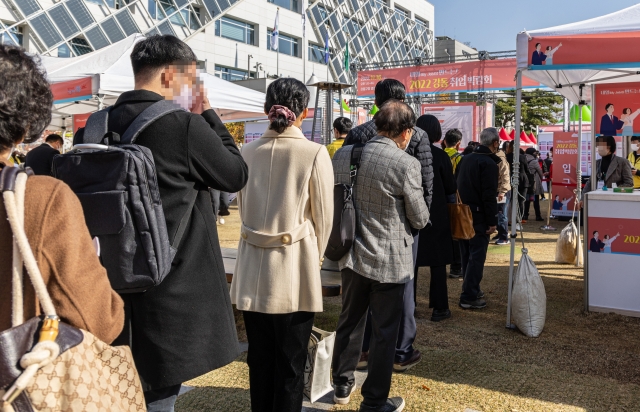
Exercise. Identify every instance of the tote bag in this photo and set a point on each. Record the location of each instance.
(46, 365)
(317, 371)
(461, 220)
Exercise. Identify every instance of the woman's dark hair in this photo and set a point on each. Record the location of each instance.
(531, 151)
(25, 97)
(388, 89)
(343, 125)
(549, 48)
(626, 110)
(609, 140)
(394, 118)
(156, 52)
(290, 93)
(430, 124)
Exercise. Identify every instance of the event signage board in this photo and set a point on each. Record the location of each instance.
(617, 107)
(461, 116)
(564, 178)
(72, 90)
(80, 120)
(474, 76)
(584, 51)
(615, 235)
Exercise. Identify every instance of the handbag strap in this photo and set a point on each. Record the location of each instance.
(458, 199)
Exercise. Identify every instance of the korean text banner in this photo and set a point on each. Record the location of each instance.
(72, 90)
(616, 108)
(564, 178)
(615, 235)
(446, 78)
(584, 51)
(459, 116)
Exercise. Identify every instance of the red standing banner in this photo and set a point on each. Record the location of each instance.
(72, 90)
(80, 120)
(472, 76)
(565, 159)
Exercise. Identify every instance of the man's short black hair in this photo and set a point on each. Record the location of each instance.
(343, 125)
(595, 231)
(607, 106)
(157, 52)
(609, 140)
(52, 138)
(389, 89)
(635, 138)
(394, 118)
(452, 137)
(537, 44)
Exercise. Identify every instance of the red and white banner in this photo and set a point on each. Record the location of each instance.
(72, 90)
(461, 116)
(617, 106)
(80, 120)
(565, 160)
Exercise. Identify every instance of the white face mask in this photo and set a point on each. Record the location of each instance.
(603, 150)
(634, 147)
(185, 99)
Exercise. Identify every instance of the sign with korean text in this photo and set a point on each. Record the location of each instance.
(80, 120)
(475, 76)
(614, 235)
(616, 108)
(564, 177)
(461, 116)
(72, 90)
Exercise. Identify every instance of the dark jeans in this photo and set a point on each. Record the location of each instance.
(438, 294)
(536, 207)
(276, 358)
(456, 266)
(162, 400)
(503, 227)
(474, 254)
(385, 301)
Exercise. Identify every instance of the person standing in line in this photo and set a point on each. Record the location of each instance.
(435, 248)
(517, 197)
(535, 189)
(504, 191)
(634, 160)
(184, 327)
(478, 185)
(287, 215)
(389, 202)
(341, 127)
(420, 148)
(40, 159)
(452, 140)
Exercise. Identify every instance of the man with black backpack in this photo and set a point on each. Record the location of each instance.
(184, 326)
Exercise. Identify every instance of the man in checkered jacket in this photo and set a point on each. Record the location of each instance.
(389, 202)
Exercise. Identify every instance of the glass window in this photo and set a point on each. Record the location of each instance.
(80, 12)
(64, 51)
(28, 7)
(316, 53)
(421, 24)
(235, 30)
(80, 46)
(287, 4)
(43, 26)
(63, 20)
(286, 45)
(230, 74)
(12, 36)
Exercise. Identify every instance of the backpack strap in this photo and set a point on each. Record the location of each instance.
(148, 116)
(183, 223)
(356, 154)
(96, 127)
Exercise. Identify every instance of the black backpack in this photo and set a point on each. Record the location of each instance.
(343, 233)
(115, 180)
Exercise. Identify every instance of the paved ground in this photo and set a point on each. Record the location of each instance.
(471, 362)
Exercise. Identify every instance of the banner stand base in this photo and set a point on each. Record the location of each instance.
(548, 228)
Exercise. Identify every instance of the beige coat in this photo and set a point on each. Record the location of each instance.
(286, 210)
(504, 176)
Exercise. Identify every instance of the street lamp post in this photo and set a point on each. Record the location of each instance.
(249, 57)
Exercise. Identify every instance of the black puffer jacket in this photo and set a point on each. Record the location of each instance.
(478, 185)
(419, 147)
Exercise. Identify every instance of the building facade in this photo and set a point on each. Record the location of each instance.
(232, 37)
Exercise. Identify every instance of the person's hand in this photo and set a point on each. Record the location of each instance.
(201, 103)
(491, 230)
(634, 171)
(618, 234)
(500, 197)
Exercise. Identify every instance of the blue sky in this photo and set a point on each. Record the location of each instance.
(492, 25)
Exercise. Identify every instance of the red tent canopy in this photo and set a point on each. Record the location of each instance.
(503, 135)
(533, 139)
(512, 135)
(524, 138)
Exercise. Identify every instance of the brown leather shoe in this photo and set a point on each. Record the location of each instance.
(363, 363)
(409, 363)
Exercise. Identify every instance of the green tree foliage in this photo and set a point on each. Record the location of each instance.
(539, 107)
(236, 129)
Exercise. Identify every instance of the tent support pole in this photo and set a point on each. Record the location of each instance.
(579, 172)
(515, 201)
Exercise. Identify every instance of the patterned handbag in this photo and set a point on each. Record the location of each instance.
(46, 365)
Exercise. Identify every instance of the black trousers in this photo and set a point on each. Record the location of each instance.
(276, 359)
(474, 254)
(536, 207)
(385, 300)
(438, 294)
(457, 262)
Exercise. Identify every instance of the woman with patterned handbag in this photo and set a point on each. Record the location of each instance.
(71, 286)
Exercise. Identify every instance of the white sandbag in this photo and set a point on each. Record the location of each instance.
(566, 245)
(528, 299)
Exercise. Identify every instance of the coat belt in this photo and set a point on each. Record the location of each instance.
(267, 240)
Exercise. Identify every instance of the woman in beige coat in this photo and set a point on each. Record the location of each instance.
(287, 212)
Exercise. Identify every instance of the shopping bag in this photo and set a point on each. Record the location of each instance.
(528, 299)
(461, 220)
(317, 371)
(566, 245)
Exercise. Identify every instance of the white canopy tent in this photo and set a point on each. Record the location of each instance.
(574, 76)
(112, 75)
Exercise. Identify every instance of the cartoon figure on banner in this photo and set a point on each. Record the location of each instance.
(596, 245)
(565, 203)
(538, 57)
(549, 52)
(610, 124)
(608, 240)
(628, 118)
(557, 204)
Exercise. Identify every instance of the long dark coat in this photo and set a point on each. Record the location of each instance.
(184, 327)
(434, 246)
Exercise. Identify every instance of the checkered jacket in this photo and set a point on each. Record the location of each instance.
(389, 201)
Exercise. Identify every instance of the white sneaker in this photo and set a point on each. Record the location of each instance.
(518, 226)
(221, 221)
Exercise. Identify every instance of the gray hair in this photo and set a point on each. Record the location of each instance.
(488, 136)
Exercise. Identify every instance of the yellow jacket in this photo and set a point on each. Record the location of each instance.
(455, 157)
(635, 163)
(334, 146)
